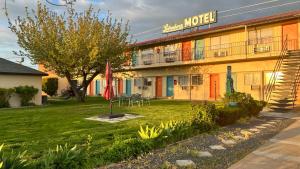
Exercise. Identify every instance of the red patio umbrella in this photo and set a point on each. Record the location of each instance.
(108, 93)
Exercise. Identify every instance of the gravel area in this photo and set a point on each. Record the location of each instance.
(239, 140)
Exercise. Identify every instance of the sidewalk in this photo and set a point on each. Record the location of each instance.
(281, 152)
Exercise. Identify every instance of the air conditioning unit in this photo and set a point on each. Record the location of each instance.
(220, 53)
(147, 62)
(262, 49)
(170, 59)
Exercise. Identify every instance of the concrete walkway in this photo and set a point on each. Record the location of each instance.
(281, 152)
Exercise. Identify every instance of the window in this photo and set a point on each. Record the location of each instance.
(138, 82)
(183, 80)
(147, 53)
(260, 36)
(252, 79)
(197, 80)
(220, 42)
(147, 81)
(170, 49)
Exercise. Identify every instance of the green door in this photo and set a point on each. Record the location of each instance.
(134, 58)
(170, 86)
(199, 49)
(128, 87)
(97, 89)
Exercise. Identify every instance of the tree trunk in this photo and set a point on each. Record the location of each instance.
(80, 96)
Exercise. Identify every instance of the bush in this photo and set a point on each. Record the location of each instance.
(172, 131)
(246, 107)
(65, 157)
(50, 86)
(204, 116)
(121, 150)
(26, 93)
(13, 161)
(5, 95)
(228, 115)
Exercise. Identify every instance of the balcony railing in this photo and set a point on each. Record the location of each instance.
(237, 50)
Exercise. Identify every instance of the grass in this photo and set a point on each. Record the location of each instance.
(38, 129)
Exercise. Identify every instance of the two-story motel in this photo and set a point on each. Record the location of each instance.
(193, 65)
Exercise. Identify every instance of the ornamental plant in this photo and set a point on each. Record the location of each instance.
(149, 133)
(13, 161)
(65, 157)
(1, 162)
(26, 93)
(50, 86)
(5, 95)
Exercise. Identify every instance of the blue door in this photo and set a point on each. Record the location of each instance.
(170, 86)
(128, 87)
(199, 49)
(97, 89)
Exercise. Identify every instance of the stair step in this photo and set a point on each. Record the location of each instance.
(296, 65)
(293, 52)
(280, 92)
(283, 101)
(281, 105)
(281, 109)
(286, 82)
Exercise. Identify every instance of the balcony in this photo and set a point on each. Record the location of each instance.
(261, 48)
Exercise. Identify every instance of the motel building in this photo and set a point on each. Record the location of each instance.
(193, 65)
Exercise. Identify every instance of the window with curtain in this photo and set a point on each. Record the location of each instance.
(252, 78)
(170, 49)
(197, 80)
(215, 42)
(183, 80)
(220, 42)
(260, 36)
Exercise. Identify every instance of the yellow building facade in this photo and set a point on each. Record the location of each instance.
(193, 65)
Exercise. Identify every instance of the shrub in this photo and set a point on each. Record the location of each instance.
(26, 93)
(204, 116)
(246, 107)
(121, 150)
(228, 115)
(13, 161)
(149, 133)
(245, 101)
(65, 157)
(172, 131)
(50, 86)
(5, 95)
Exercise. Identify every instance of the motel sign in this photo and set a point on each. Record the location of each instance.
(194, 21)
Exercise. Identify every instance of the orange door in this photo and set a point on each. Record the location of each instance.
(290, 32)
(92, 88)
(159, 86)
(214, 86)
(120, 87)
(186, 51)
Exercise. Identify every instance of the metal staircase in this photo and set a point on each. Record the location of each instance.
(281, 92)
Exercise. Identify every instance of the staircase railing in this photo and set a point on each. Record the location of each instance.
(296, 86)
(273, 78)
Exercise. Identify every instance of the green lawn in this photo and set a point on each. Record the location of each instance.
(40, 128)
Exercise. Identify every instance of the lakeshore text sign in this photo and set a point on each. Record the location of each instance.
(194, 21)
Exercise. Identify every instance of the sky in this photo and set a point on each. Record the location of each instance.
(146, 17)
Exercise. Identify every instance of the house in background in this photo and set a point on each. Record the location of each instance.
(14, 75)
(63, 83)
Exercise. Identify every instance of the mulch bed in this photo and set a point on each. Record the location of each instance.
(166, 157)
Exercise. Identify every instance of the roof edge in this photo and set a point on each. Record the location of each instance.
(231, 26)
